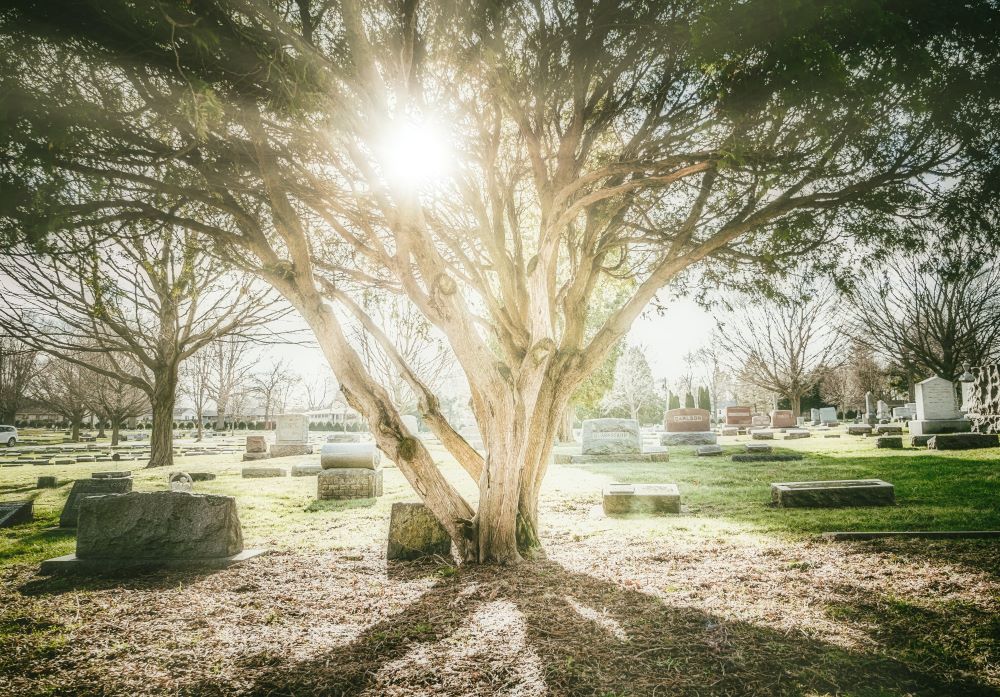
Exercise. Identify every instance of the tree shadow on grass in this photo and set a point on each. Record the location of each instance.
(149, 577)
(541, 629)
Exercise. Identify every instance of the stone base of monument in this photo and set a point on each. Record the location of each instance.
(935, 426)
(888, 429)
(110, 475)
(830, 494)
(16, 513)
(350, 456)
(891, 442)
(288, 449)
(658, 456)
(762, 435)
(250, 457)
(641, 498)
(796, 434)
(136, 531)
(859, 430)
(346, 483)
(692, 438)
(963, 441)
(306, 470)
(414, 532)
(263, 472)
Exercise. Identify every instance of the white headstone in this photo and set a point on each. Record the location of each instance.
(291, 428)
(827, 414)
(936, 400)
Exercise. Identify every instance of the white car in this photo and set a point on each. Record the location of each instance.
(8, 435)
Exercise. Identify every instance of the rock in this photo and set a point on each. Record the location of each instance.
(349, 483)
(158, 525)
(893, 442)
(414, 532)
(641, 498)
(850, 492)
(350, 455)
(963, 441)
(697, 438)
(263, 472)
(83, 488)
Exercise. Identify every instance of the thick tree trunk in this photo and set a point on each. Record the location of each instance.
(161, 440)
(75, 434)
(100, 428)
(566, 426)
(796, 404)
(116, 424)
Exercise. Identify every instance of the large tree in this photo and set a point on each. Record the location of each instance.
(495, 163)
(18, 366)
(132, 306)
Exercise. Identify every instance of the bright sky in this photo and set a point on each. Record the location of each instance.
(684, 327)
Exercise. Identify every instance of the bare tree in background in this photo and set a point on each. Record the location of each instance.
(64, 386)
(195, 384)
(230, 362)
(712, 371)
(783, 347)
(111, 400)
(271, 386)
(319, 389)
(151, 294)
(18, 365)
(928, 317)
(633, 387)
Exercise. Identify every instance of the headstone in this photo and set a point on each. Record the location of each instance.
(759, 447)
(902, 413)
(256, 444)
(814, 416)
(937, 410)
(611, 437)
(350, 455)
(869, 406)
(708, 450)
(687, 420)
(83, 488)
(730, 430)
(16, 513)
(783, 418)
(762, 435)
(859, 429)
(963, 441)
(180, 481)
(737, 416)
(795, 434)
(291, 435)
(760, 421)
(828, 415)
(46, 482)
(705, 438)
(882, 410)
(158, 525)
(889, 429)
(851, 492)
(414, 532)
(619, 499)
(263, 472)
(349, 483)
(892, 442)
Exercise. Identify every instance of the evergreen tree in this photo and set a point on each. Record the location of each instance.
(689, 401)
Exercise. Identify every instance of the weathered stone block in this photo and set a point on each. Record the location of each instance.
(83, 488)
(758, 447)
(796, 434)
(919, 441)
(963, 441)
(350, 456)
(859, 430)
(611, 437)
(707, 450)
(289, 449)
(306, 469)
(158, 525)
(343, 438)
(641, 498)
(702, 438)
(291, 428)
(848, 492)
(766, 457)
(110, 475)
(889, 429)
(737, 416)
(414, 532)
(890, 442)
(46, 482)
(730, 430)
(256, 444)
(343, 484)
(762, 435)
(16, 513)
(263, 472)
(250, 457)
(782, 418)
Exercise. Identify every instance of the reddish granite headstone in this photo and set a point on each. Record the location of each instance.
(256, 444)
(687, 421)
(782, 418)
(737, 416)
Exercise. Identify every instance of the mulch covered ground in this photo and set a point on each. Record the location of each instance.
(601, 615)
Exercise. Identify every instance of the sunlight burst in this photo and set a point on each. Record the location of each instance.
(415, 154)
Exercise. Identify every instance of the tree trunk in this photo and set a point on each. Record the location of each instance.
(201, 424)
(566, 426)
(220, 416)
(161, 440)
(796, 404)
(116, 424)
(100, 427)
(75, 435)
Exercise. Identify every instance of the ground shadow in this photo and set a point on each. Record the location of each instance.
(136, 578)
(569, 633)
(345, 505)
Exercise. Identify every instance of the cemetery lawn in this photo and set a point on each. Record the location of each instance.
(732, 597)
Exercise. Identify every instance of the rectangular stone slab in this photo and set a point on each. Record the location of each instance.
(963, 441)
(263, 472)
(158, 525)
(641, 498)
(71, 564)
(16, 513)
(844, 492)
(698, 438)
(83, 488)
